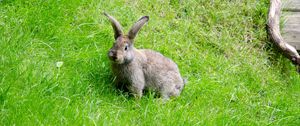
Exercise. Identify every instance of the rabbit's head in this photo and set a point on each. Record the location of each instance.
(122, 50)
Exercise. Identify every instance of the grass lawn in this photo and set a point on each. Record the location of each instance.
(54, 68)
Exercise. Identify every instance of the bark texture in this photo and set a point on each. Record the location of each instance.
(274, 33)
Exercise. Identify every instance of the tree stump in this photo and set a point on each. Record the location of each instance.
(275, 35)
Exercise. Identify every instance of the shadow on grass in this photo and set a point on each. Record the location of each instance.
(5, 2)
(278, 59)
(103, 84)
(3, 95)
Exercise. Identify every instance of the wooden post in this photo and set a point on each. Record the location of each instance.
(274, 33)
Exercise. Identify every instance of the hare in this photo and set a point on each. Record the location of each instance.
(139, 69)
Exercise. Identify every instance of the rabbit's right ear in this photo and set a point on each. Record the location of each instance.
(137, 26)
(115, 24)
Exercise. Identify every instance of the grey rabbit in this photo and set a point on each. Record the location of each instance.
(140, 69)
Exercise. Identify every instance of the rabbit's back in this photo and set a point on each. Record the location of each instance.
(161, 73)
(158, 62)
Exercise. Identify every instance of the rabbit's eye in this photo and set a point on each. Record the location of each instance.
(125, 48)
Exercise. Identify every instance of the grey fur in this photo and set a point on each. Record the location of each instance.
(141, 69)
(115, 24)
(137, 26)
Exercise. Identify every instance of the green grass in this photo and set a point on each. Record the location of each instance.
(236, 76)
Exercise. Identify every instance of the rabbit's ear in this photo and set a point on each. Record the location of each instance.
(137, 26)
(115, 24)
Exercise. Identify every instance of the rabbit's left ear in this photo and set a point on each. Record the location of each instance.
(137, 26)
(115, 24)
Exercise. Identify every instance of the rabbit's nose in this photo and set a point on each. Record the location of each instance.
(114, 58)
(112, 55)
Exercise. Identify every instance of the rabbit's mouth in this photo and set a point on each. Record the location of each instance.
(117, 61)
